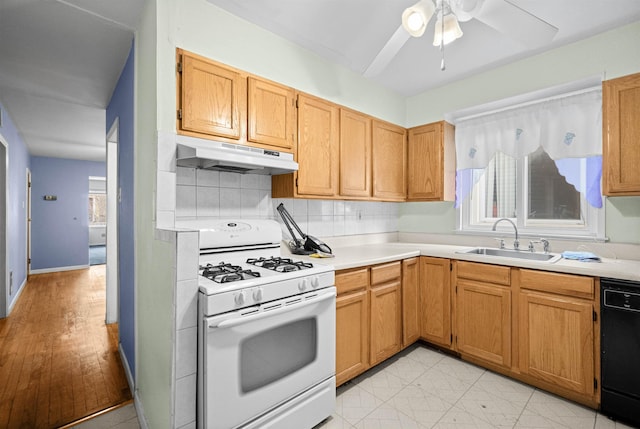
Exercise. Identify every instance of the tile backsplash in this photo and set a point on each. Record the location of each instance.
(202, 194)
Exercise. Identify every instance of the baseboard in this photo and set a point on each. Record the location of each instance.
(58, 269)
(15, 298)
(140, 411)
(127, 369)
(136, 399)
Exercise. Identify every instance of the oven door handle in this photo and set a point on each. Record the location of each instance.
(232, 322)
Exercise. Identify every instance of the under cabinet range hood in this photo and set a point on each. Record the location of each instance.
(215, 155)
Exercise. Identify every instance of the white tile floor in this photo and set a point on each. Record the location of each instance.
(423, 388)
(120, 418)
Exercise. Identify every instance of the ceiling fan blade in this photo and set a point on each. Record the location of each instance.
(517, 23)
(388, 51)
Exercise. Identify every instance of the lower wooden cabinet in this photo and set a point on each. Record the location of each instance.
(557, 331)
(368, 318)
(556, 340)
(484, 322)
(536, 326)
(352, 335)
(435, 300)
(411, 314)
(386, 311)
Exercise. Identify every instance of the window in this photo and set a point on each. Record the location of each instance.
(538, 164)
(97, 209)
(97, 201)
(532, 193)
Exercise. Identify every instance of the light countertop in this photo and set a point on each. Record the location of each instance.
(377, 253)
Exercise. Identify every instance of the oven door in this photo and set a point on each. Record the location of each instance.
(258, 358)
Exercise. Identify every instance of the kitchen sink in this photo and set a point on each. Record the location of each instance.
(516, 254)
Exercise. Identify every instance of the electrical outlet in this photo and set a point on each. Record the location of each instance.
(10, 282)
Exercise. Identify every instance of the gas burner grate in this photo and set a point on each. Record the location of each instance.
(282, 265)
(226, 273)
(237, 276)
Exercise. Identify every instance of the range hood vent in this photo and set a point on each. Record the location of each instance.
(215, 155)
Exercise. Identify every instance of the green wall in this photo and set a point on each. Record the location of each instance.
(198, 26)
(155, 259)
(611, 54)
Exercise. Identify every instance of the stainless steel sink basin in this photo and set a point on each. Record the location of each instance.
(516, 254)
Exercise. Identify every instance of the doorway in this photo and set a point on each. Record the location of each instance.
(97, 220)
(28, 222)
(6, 282)
(112, 276)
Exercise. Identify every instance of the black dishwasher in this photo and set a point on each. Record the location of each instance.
(620, 348)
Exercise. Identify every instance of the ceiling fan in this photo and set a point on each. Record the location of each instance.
(501, 15)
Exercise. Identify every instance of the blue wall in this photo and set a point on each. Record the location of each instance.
(60, 229)
(121, 108)
(19, 161)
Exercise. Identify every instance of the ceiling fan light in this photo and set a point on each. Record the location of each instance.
(452, 30)
(415, 18)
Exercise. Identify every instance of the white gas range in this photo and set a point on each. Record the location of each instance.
(266, 334)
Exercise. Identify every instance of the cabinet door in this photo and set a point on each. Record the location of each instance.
(389, 147)
(435, 300)
(556, 340)
(213, 98)
(484, 321)
(271, 114)
(431, 163)
(410, 301)
(386, 321)
(621, 133)
(352, 334)
(355, 154)
(318, 123)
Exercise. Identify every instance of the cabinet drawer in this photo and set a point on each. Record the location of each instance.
(386, 272)
(485, 273)
(350, 280)
(563, 284)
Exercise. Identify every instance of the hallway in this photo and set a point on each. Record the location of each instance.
(59, 362)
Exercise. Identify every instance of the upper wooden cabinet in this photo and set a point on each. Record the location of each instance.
(389, 152)
(219, 102)
(318, 127)
(271, 115)
(212, 98)
(431, 163)
(621, 133)
(317, 152)
(355, 154)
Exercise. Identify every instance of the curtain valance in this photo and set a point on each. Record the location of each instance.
(567, 127)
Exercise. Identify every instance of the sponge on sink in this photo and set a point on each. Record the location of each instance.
(581, 256)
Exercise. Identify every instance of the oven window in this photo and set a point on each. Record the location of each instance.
(271, 355)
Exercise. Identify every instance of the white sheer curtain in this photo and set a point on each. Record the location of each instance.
(565, 127)
(500, 198)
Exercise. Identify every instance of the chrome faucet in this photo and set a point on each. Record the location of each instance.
(516, 242)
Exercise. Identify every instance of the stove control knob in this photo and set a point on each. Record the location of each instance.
(303, 285)
(315, 282)
(239, 298)
(257, 294)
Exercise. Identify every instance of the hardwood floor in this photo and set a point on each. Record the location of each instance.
(59, 362)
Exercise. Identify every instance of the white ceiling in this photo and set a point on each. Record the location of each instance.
(61, 58)
(352, 32)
